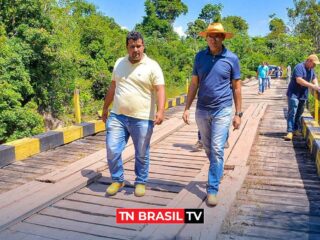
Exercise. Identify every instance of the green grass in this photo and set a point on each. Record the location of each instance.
(174, 91)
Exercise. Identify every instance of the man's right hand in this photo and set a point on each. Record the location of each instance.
(104, 116)
(186, 116)
(316, 88)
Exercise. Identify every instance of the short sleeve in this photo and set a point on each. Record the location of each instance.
(114, 75)
(298, 71)
(158, 78)
(236, 74)
(194, 69)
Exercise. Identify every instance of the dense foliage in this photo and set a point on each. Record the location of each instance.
(48, 48)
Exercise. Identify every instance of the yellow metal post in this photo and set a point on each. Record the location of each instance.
(77, 110)
(316, 107)
(187, 86)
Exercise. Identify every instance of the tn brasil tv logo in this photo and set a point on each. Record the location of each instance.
(159, 215)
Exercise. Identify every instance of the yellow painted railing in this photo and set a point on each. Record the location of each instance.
(310, 130)
(77, 109)
(316, 108)
(187, 85)
(23, 148)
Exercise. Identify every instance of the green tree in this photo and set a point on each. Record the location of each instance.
(276, 26)
(49, 47)
(235, 24)
(305, 17)
(291, 50)
(169, 9)
(31, 13)
(153, 25)
(211, 13)
(195, 27)
(78, 8)
(18, 113)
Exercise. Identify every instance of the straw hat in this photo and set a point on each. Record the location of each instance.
(314, 58)
(216, 28)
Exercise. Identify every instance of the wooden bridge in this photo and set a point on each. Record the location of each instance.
(270, 188)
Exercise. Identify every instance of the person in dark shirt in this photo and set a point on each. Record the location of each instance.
(216, 77)
(303, 77)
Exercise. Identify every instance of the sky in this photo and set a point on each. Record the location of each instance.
(127, 13)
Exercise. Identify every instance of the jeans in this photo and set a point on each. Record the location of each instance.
(261, 84)
(268, 82)
(295, 110)
(214, 128)
(119, 128)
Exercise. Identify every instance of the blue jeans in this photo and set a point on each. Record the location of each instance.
(261, 84)
(214, 128)
(295, 110)
(268, 82)
(119, 128)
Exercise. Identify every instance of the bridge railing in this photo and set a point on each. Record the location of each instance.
(313, 106)
(311, 128)
(26, 147)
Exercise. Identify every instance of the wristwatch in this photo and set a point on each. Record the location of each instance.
(239, 114)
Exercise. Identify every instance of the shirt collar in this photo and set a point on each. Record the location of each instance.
(222, 54)
(143, 60)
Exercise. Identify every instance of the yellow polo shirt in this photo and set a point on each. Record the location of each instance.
(135, 94)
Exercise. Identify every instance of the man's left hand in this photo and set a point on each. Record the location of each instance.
(236, 122)
(159, 117)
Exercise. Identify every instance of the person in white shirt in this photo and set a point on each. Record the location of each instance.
(137, 86)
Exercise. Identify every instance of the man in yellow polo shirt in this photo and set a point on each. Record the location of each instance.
(137, 86)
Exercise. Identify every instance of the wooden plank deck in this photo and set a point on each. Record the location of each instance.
(280, 196)
(20, 172)
(29, 169)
